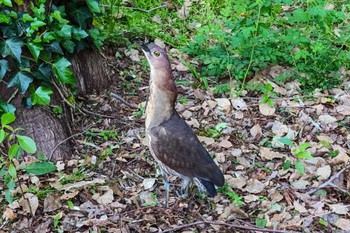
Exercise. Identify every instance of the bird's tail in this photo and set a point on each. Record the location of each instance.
(209, 186)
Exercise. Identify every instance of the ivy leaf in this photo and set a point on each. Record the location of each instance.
(4, 66)
(41, 96)
(12, 47)
(4, 19)
(6, 3)
(39, 168)
(37, 24)
(26, 143)
(79, 33)
(7, 118)
(80, 15)
(48, 36)
(5, 107)
(65, 32)
(93, 6)
(54, 47)
(62, 72)
(43, 72)
(35, 50)
(69, 45)
(27, 18)
(21, 80)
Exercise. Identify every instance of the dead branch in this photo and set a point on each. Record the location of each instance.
(224, 224)
(118, 97)
(330, 182)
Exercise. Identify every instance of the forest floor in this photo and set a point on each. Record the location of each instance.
(286, 166)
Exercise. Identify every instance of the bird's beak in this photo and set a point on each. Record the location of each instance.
(143, 46)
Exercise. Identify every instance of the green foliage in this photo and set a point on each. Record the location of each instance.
(38, 42)
(242, 37)
(261, 222)
(227, 190)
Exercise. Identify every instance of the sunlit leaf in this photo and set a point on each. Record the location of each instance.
(62, 72)
(26, 143)
(7, 118)
(41, 96)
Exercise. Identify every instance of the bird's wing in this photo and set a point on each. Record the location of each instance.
(174, 143)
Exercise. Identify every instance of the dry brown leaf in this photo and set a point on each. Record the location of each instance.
(9, 214)
(239, 104)
(267, 154)
(339, 208)
(299, 207)
(256, 131)
(255, 186)
(266, 110)
(225, 144)
(327, 119)
(29, 203)
(324, 173)
(236, 183)
(148, 183)
(224, 105)
(343, 224)
(207, 140)
(343, 109)
(106, 198)
(52, 203)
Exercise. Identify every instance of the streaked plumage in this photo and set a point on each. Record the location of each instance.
(172, 142)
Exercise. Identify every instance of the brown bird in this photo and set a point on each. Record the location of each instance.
(172, 143)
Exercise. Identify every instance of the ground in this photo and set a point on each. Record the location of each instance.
(285, 164)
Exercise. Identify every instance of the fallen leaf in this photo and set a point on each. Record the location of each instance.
(239, 104)
(267, 154)
(299, 207)
(254, 186)
(133, 54)
(224, 105)
(327, 119)
(9, 214)
(207, 140)
(300, 184)
(256, 131)
(324, 173)
(106, 198)
(51, 203)
(236, 183)
(148, 183)
(266, 110)
(225, 144)
(339, 208)
(29, 203)
(343, 109)
(343, 224)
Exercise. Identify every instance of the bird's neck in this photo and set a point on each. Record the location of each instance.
(161, 101)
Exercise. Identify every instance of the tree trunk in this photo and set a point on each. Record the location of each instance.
(48, 131)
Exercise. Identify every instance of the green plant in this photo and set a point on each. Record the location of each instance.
(261, 222)
(227, 190)
(315, 44)
(301, 153)
(215, 131)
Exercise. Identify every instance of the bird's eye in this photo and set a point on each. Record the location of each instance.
(156, 53)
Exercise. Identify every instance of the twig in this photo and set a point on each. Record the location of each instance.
(224, 224)
(60, 143)
(329, 182)
(118, 97)
(62, 95)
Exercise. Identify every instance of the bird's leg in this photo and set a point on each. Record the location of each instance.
(184, 187)
(166, 187)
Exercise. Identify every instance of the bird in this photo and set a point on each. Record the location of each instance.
(172, 143)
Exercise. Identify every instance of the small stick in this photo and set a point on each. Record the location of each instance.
(224, 224)
(118, 97)
(329, 182)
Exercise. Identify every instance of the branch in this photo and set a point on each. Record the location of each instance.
(118, 97)
(330, 181)
(224, 224)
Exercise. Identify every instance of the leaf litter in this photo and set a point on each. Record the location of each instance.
(112, 183)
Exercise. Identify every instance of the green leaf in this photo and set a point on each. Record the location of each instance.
(48, 36)
(261, 222)
(4, 19)
(41, 96)
(304, 155)
(11, 184)
(26, 143)
(220, 126)
(6, 3)
(69, 45)
(3, 68)
(54, 47)
(43, 72)
(62, 72)
(304, 146)
(7, 118)
(27, 18)
(12, 47)
(286, 164)
(14, 151)
(5, 107)
(66, 31)
(2, 135)
(35, 50)
(21, 80)
(70, 204)
(79, 33)
(80, 15)
(93, 6)
(8, 196)
(285, 141)
(300, 167)
(35, 25)
(39, 168)
(12, 171)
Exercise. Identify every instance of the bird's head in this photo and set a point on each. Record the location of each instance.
(157, 58)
